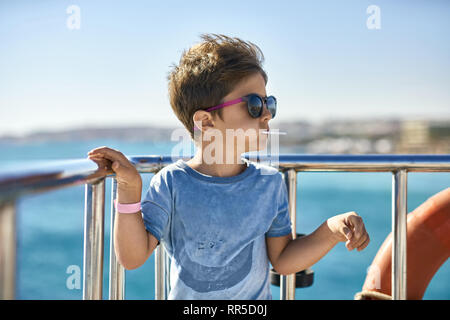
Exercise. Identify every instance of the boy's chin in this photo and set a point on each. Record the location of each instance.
(258, 147)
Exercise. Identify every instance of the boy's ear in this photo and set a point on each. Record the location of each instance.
(203, 120)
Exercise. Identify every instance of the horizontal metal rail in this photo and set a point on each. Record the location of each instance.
(30, 178)
(22, 179)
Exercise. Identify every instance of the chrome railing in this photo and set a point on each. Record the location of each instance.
(47, 176)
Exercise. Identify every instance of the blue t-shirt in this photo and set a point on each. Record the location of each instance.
(214, 228)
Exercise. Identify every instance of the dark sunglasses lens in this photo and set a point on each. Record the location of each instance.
(255, 105)
(272, 105)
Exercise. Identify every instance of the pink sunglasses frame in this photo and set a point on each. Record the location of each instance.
(229, 103)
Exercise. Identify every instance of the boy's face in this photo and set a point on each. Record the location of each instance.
(237, 118)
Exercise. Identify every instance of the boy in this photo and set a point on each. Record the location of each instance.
(220, 221)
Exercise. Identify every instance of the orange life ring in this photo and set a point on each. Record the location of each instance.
(428, 247)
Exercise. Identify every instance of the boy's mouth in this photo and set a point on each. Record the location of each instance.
(267, 131)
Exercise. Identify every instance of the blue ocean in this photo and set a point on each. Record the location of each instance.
(50, 225)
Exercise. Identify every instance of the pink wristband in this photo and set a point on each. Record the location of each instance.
(127, 208)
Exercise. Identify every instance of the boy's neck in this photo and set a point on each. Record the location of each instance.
(216, 169)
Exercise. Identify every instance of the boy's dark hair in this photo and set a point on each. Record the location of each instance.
(208, 71)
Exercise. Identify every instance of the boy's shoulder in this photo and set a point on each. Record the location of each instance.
(167, 171)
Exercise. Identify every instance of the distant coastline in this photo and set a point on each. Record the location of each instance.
(132, 133)
(329, 136)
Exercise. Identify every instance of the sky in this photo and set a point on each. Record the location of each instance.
(324, 59)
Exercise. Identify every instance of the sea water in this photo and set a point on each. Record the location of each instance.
(50, 225)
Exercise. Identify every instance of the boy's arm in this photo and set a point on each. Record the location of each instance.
(289, 256)
(132, 243)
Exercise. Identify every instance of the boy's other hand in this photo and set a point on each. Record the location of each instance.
(349, 227)
(113, 160)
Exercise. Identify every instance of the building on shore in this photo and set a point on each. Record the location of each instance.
(414, 137)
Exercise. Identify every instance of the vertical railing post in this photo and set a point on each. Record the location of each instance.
(116, 270)
(160, 293)
(167, 265)
(399, 234)
(8, 245)
(287, 283)
(93, 240)
(283, 289)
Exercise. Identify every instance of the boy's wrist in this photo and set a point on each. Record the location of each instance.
(334, 236)
(129, 194)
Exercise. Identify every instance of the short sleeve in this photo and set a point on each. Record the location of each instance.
(281, 224)
(157, 206)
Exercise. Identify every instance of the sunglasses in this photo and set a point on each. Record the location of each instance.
(255, 105)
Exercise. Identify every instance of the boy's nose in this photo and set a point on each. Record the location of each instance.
(266, 116)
